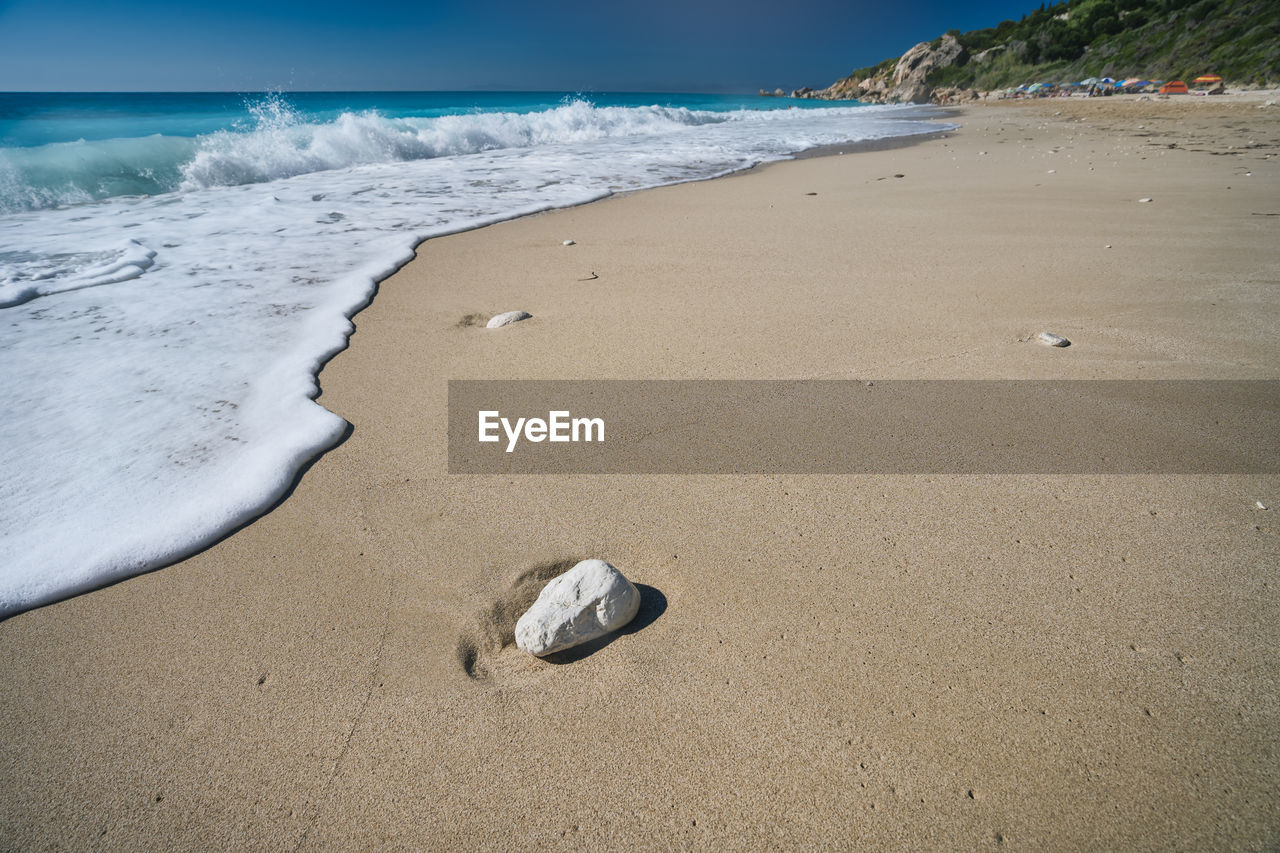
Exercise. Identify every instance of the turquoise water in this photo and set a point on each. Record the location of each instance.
(30, 119)
(68, 148)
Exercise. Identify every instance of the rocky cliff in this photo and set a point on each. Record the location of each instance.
(904, 81)
(1077, 39)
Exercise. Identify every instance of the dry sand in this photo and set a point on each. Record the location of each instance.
(915, 662)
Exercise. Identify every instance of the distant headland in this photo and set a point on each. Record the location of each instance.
(1075, 40)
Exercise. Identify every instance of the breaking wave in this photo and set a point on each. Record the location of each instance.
(277, 141)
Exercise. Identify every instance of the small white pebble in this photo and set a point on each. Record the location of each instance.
(1053, 171)
(568, 243)
(1108, 245)
(1260, 505)
(1143, 200)
(507, 318)
(1049, 339)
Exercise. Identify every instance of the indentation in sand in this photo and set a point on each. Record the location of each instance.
(487, 649)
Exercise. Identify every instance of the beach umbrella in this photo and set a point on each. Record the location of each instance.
(1208, 78)
(1090, 81)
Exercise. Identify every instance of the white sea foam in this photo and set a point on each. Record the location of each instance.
(283, 145)
(40, 275)
(159, 353)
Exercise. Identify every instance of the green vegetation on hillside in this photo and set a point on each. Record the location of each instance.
(1155, 39)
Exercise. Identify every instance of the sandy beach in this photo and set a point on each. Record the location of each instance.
(854, 662)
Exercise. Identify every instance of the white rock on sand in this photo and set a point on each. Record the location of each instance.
(507, 319)
(1049, 339)
(588, 601)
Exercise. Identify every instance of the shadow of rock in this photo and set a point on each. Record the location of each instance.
(652, 605)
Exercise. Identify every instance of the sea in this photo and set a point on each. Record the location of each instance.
(175, 268)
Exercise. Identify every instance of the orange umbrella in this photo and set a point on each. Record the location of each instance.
(1208, 78)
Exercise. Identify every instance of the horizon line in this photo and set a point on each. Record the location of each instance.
(281, 91)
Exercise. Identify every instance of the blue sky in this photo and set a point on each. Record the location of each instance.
(657, 45)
